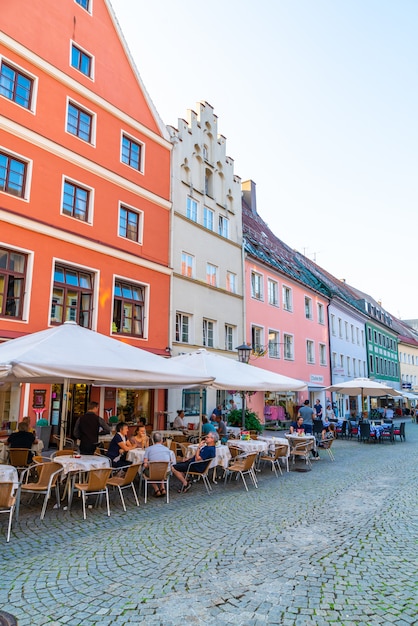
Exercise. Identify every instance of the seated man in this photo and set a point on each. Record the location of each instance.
(207, 427)
(158, 453)
(222, 432)
(22, 439)
(296, 426)
(205, 450)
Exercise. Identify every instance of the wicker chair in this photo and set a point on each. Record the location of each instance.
(280, 451)
(131, 472)
(19, 457)
(7, 503)
(243, 466)
(96, 485)
(302, 449)
(158, 472)
(201, 474)
(326, 445)
(47, 474)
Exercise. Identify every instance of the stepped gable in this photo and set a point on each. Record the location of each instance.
(261, 243)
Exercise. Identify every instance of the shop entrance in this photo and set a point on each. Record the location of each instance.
(77, 405)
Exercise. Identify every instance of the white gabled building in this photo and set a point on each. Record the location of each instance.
(207, 307)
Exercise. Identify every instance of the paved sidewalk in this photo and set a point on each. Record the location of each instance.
(337, 545)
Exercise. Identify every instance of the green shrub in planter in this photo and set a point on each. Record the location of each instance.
(251, 420)
(42, 422)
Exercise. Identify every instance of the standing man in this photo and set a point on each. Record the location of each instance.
(318, 410)
(307, 413)
(88, 427)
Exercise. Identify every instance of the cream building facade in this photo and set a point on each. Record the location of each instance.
(207, 305)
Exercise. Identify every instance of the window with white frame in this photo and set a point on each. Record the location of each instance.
(132, 153)
(274, 344)
(332, 324)
(229, 337)
(322, 354)
(76, 201)
(287, 298)
(13, 268)
(358, 335)
(13, 175)
(223, 226)
(256, 286)
(16, 85)
(352, 333)
(371, 363)
(191, 209)
(211, 275)
(130, 223)
(340, 328)
(346, 330)
(231, 282)
(308, 308)
(334, 360)
(187, 265)
(84, 3)
(310, 351)
(355, 368)
(342, 361)
(72, 296)
(208, 333)
(81, 60)
(208, 218)
(348, 366)
(182, 333)
(321, 317)
(288, 347)
(257, 338)
(273, 292)
(208, 183)
(80, 122)
(129, 308)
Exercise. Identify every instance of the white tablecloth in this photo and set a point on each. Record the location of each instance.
(8, 474)
(85, 463)
(223, 455)
(253, 445)
(167, 434)
(136, 455)
(295, 439)
(276, 441)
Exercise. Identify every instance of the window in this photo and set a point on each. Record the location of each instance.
(346, 330)
(79, 122)
(12, 283)
(375, 336)
(208, 218)
(287, 299)
(333, 324)
(256, 286)
(377, 364)
(355, 368)
(348, 366)
(322, 354)
(211, 275)
(308, 308)
(334, 360)
(208, 183)
(223, 226)
(130, 224)
(76, 201)
(274, 344)
(131, 153)
(182, 327)
(128, 309)
(231, 282)
(320, 313)
(72, 296)
(257, 338)
(342, 361)
(310, 351)
(369, 333)
(81, 61)
(187, 265)
(15, 85)
(12, 175)
(208, 327)
(371, 363)
(229, 337)
(84, 3)
(358, 335)
(273, 292)
(191, 209)
(288, 347)
(340, 328)
(352, 334)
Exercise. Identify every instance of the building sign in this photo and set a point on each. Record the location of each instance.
(315, 378)
(39, 398)
(406, 386)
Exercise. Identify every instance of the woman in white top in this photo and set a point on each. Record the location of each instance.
(179, 421)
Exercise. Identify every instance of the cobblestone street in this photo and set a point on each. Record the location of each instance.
(334, 545)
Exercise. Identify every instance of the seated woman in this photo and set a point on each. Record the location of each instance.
(328, 432)
(207, 427)
(140, 438)
(297, 426)
(178, 423)
(119, 446)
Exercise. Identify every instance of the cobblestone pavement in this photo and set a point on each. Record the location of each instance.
(337, 545)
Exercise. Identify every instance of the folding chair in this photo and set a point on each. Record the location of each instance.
(243, 466)
(126, 481)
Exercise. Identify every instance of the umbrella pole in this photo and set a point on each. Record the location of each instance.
(64, 412)
(200, 412)
(243, 410)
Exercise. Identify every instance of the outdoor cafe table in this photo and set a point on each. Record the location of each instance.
(379, 428)
(223, 455)
(167, 434)
(275, 441)
(248, 446)
(8, 474)
(294, 439)
(74, 465)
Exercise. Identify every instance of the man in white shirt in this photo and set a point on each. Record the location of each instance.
(158, 453)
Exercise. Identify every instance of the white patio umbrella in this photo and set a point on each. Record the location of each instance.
(230, 374)
(364, 387)
(72, 354)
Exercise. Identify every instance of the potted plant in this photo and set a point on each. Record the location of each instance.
(251, 420)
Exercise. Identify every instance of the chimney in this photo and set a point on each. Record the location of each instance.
(249, 195)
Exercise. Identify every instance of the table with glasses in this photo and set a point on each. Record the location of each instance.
(73, 465)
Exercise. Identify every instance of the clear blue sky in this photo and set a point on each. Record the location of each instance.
(318, 100)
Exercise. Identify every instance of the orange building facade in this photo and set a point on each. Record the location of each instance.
(84, 192)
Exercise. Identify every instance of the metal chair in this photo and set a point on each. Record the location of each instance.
(202, 474)
(326, 445)
(387, 434)
(243, 466)
(131, 472)
(65, 452)
(302, 449)
(69, 444)
(19, 457)
(96, 485)
(280, 451)
(158, 472)
(47, 474)
(399, 431)
(7, 504)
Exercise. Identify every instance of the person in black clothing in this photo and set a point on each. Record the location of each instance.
(22, 439)
(88, 427)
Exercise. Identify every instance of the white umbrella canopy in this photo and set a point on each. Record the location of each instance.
(230, 374)
(75, 354)
(364, 387)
